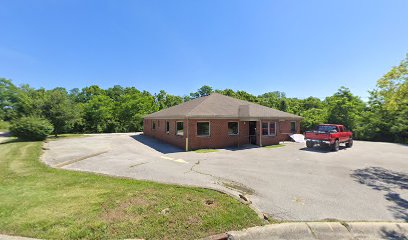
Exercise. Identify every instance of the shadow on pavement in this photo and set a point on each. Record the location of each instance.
(387, 181)
(392, 235)
(243, 147)
(321, 149)
(156, 144)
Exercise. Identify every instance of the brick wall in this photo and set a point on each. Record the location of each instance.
(160, 131)
(283, 130)
(219, 137)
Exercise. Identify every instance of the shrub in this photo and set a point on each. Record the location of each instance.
(4, 126)
(31, 128)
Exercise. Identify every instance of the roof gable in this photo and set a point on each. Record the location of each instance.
(220, 106)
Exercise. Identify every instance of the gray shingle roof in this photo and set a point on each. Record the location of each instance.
(220, 106)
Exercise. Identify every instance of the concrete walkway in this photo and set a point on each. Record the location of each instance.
(324, 230)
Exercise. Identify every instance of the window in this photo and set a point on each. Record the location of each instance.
(233, 128)
(326, 128)
(272, 128)
(180, 128)
(167, 127)
(265, 130)
(154, 125)
(269, 128)
(203, 129)
(293, 127)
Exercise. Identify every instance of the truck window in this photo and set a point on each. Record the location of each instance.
(340, 128)
(326, 128)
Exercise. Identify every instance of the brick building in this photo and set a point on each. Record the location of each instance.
(218, 121)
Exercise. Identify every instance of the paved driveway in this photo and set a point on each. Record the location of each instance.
(366, 182)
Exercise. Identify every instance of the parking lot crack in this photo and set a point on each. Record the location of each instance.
(311, 231)
(63, 164)
(138, 164)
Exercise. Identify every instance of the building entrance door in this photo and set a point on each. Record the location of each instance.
(252, 132)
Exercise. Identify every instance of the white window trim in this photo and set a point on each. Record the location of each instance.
(269, 128)
(177, 129)
(209, 128)
(233, 134)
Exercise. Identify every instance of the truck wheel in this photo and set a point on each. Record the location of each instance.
(309, 144)
(335, 146)
(349, 144)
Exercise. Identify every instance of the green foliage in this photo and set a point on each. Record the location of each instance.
(203, 91)
(60, 110)
(344, 108)
(165, 100)
(31, 128)
(4, 126)
(313, 117)
(386, 118)
(98, 114)
(121, 109)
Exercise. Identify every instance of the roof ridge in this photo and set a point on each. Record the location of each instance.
(205, 98)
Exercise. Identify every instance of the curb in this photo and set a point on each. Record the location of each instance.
(324, 230)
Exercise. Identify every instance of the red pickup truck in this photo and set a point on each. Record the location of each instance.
(329, 135)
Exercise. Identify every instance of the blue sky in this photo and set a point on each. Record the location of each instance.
(302, 48)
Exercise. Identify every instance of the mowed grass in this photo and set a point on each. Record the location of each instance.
(205, 150)
(274, 146)
(42, 202)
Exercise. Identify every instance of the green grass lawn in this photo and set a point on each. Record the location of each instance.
(42, 202)
(274, 146)
(205, 150)
(65, 135)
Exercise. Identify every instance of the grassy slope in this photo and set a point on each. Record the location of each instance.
(42, 202)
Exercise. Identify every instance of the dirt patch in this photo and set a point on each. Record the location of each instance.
(127, 210)
(209, 202)
(194, 220)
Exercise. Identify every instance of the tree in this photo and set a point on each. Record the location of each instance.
(344, 108)
(202, 92)
(165, 100)
(60, 110)
(386, 119)
(312, 118)
(131, 109)
(7, 105)
(98, 114)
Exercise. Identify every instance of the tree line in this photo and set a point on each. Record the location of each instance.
(121, 109)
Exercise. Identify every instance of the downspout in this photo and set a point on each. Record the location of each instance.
(260, 133)
(188, 134)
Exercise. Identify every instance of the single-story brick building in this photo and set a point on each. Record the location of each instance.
(218, 121)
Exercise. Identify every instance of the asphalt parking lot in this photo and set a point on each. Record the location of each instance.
(368, 182)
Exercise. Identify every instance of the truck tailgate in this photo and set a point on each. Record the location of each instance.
(317, 135)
